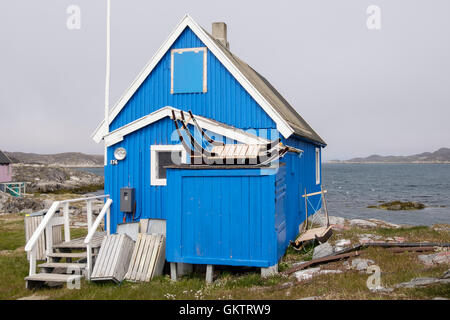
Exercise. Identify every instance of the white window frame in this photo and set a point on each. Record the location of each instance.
(317, 165)
(154, 181)
(205, 65)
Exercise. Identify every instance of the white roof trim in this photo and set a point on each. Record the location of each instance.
(187, 21)
(207, 124)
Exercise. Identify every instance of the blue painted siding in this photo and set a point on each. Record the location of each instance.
(225, 101)
(300, 174)
(226, 216)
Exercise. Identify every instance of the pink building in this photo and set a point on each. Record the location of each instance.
(5, 168)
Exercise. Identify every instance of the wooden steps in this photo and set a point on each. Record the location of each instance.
(79, 243)
(71, 255)
(57, 271)
(62, 265)
(50, 279)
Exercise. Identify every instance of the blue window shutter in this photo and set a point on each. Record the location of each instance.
(188, 74)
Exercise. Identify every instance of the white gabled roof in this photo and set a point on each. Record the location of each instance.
(282, 125)
(211, 125)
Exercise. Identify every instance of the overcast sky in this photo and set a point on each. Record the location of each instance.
(364, 91)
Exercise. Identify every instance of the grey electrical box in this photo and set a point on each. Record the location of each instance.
(126, 199)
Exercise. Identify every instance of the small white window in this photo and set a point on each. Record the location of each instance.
(161, 156)
(317, 166)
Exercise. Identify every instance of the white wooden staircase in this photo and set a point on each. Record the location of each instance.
(71, 259)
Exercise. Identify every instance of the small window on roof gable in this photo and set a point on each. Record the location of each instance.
(188, 70)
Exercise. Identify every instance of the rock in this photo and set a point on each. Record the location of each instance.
(422, 282)
(381, 289)
(362, 223)
(385, 224)
(23, 204)
(310, 273)
(333, 220)
(322, 250)
(361, 264)
(399, 205)
(435, 258)
(446, 274)
(309, 298)
(42, 178)
(439, 298)
(306, 274)
(342, 244)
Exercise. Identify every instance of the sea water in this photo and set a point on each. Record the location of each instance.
(353, 187)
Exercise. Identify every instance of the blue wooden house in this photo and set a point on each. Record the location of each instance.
(243, 215)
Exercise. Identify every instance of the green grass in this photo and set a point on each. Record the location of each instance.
(238, 283)
(12, 232)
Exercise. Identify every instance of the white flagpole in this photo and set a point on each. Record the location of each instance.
(108, 48)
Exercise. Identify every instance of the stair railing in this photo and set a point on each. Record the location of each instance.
(49, 221)
(105, 211)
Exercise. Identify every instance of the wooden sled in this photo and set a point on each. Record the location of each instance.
(321, 234)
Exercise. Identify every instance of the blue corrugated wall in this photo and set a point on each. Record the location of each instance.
(300, 174)
(226, 216)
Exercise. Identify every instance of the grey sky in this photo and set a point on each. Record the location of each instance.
(363, 91)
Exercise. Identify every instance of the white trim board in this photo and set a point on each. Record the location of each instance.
(282, 125)
(154, 181)
(213, 126)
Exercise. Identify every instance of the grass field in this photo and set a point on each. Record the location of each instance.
(238, 283)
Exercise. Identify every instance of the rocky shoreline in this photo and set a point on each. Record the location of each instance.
(50, 179)
(44, 184)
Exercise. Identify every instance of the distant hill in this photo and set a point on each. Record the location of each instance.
(440, 156)
(67, 159)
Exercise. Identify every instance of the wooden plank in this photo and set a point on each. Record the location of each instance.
(314, 193)
(52, 277)
(67, 255)
(133, 256)
(243, 151)
(138, 257)
(103, 254)
(161, 259)
(321, 260)
(115, 256)
(110, 257)
(147, 245)
(99, 259)
(155, 248)
(153, 243)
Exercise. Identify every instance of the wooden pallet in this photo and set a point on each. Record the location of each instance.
(148, 257)
(113, 259)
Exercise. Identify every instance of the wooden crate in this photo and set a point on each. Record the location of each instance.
(148, 257)
(113, 259)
